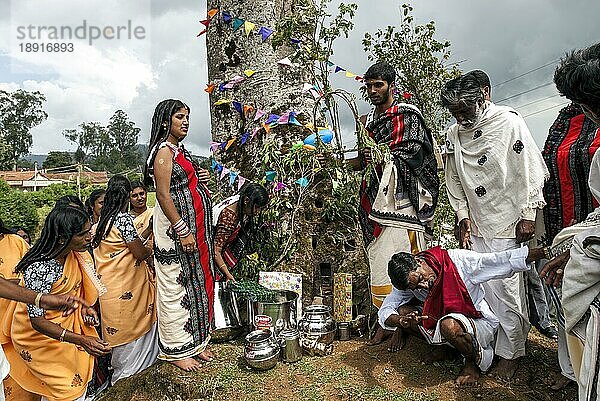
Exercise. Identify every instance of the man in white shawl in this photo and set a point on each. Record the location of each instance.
(495, 174)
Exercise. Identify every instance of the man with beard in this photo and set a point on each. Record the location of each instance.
(439, 295)
(397, 198)
(495, 174)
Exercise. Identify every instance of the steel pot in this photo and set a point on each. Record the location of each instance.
(261, 350)
(226, 311)
(317, 324)
(282, 311)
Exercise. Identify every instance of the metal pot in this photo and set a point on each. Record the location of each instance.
(343, 331)
(282, 310)
(317, 324)
(261, 350)
(227, 317)
(289, 341)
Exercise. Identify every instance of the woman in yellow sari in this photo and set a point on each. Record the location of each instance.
(128, 311)
(12, 249)
(52, 355)
(138, 208)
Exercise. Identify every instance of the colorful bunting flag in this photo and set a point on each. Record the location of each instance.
(237, 23)
(224, 172)
(238, 107)
(285, 62)
(293, 120)
(303, 182)
(265, 32)
(295, 41)
(229, 143)
(338, 69)
(241, 181)
(270, 175)
(245, 136)
(213, 162)
(210, 88)
(350, 75)
(222, 101)
(226, 16)
(213, 147)
(212, 12)
(248, 27)
(249, 73)
(232, 177)
(284, 119)
(259, 114)
(248, 109)
(272, 118)
(279, 186)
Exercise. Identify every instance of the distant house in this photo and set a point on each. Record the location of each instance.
(29, 181)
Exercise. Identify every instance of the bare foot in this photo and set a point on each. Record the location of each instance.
(206, 355)
(209, 352)
(398, 340)
(438, 353)
(560, 382)
(469, 374)
(188, 364)
(380, 336)
(505, 369)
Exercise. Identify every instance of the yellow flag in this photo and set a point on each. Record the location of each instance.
(248, 27)
(350, 75)
(229, 143)
(222, 101)
(249, 73)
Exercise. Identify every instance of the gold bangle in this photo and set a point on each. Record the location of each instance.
(38, 298)
(62, 336)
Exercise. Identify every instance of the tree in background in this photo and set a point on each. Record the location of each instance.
(111, 148)
(5, 155)
(422, 67)
(20, 111)
(57, 159)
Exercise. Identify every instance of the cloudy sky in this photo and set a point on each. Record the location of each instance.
(163, 58)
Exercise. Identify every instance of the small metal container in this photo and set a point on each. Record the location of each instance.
(289, 341)
(343, 331)
(261, 350)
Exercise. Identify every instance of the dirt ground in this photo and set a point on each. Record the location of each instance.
(355, 372)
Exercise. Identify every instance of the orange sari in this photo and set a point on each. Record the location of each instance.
(60, 371)
(128, 307)
(12, 249)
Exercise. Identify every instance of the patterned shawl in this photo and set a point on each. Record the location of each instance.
(403, 129)
(571, 143)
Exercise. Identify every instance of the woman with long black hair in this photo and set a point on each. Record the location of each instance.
(182, 240)
(128, 314)
(235, 218)
(34, 339)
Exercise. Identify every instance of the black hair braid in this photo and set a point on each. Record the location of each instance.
(116, 198)
(159, 133)
(62, 223)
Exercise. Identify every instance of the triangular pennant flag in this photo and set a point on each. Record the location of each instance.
(226, 16)
(248, 109)
(202, 32)
(330, 64)
(272, 118)
(295, 41)
(248, 27)
(293, 119)
(338, 68)
(232, 176)
(241, 181)
(222, 101)
(286, 62)
(303, 182)
(222, 88)
(210, 88)
(237, 23)
(265, 32)
(213, 164)
(245, 136)
(237, 106)
(228, 85)
(212, 12)
(222, 145)
(270, 175)
(213, 146)
(358, 78)
(219, 168)
(267, 128)
(249, 73)
(224, 172)
(279, 186)
(229, 143)
(255, 131)
(259, 114)
(350, 75)
(284, 119)
(205, 22)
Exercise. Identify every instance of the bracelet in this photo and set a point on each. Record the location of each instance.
(547, 254)
(38, 298)
(223, 266)
(181, 228)
(62, 336)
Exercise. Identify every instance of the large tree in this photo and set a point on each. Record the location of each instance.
(20, 111)
(57, 159)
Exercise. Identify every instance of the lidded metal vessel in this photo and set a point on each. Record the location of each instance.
(261, 350)
(317, 324)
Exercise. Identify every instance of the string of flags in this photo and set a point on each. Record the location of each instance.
(265, 33)
(270, 176)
